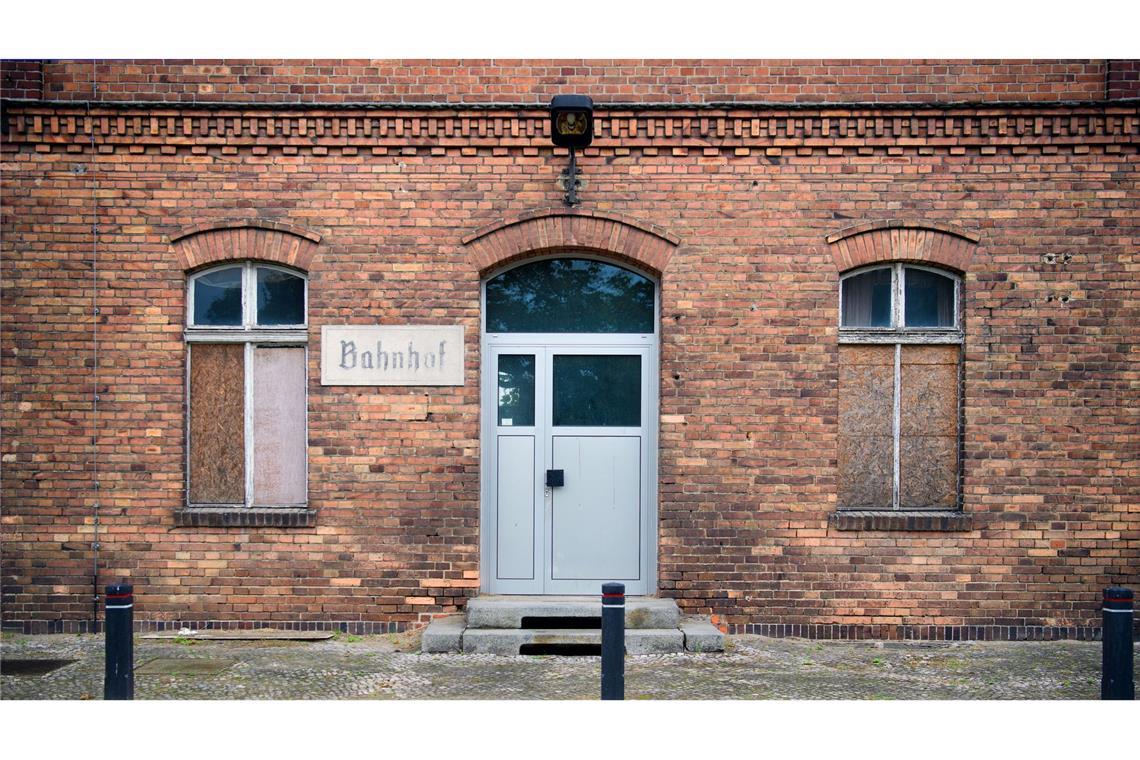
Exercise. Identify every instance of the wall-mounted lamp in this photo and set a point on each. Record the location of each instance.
(571, 126)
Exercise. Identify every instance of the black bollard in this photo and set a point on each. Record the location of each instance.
(613, 641)
(119, 676)
(1116, 645)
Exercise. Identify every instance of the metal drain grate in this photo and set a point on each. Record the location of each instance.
(31, 667)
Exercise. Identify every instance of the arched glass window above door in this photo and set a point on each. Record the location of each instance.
(570, 296)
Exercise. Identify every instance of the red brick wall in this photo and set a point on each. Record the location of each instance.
(1123, 79)
(749, 357)
(21, 79)
(607, 81)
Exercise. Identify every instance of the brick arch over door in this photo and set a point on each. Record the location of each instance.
(545, 230)
(899, 240)
(259, 239)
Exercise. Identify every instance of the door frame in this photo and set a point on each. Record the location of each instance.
(577, 342)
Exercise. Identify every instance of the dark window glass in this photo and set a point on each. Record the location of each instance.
(280, 298)
(569, 295)
(516, 390)
(217, 298)
(867, 299)
(597, 391)
(929, 299)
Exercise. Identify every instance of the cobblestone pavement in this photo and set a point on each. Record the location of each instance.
(390, 667)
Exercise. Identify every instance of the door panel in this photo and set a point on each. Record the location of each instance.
(515, 511)
(596, 515)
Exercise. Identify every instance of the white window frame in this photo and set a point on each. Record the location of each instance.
(898, 334)
(897, 331)
(253, 336)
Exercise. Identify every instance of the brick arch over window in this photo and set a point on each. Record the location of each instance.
(898, 240)
(546, 230)
(260, 239)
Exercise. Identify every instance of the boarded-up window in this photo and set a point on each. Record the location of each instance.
(217, 423)
(246, 330)
(219, 447)
(918, 449)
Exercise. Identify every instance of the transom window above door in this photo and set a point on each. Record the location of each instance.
(570, 296)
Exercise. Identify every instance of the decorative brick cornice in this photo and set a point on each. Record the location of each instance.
(216, 242)
(544, 230)
(830, 129)
(902, 240)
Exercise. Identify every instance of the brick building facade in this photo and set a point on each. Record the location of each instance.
(970, 472)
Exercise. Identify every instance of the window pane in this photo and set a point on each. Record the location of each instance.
(569, 295)
(516, 390)
(217, 298)
(279, 445)
(280, 298)
(601, 391)
(929, 299)
(217, 423)
(867, 299)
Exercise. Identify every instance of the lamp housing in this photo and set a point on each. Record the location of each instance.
(571, 121)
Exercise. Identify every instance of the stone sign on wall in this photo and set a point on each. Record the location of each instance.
(387, 355)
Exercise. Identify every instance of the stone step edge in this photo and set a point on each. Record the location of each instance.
(506, 641)
(446, 635)
(508, 612)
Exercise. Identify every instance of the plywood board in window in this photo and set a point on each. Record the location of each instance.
(854, 354)
(217, 423)
(866, 472)
(866, 399)
(929, 399)
(930, 354)
(279, 445)
(929, 472)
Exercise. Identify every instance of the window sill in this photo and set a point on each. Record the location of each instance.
(943, 520)
(242, 517)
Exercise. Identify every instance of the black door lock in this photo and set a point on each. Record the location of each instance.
(555, 478)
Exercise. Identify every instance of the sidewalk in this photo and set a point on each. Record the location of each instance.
(390, 667)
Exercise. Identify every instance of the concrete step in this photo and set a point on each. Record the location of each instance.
(450, 634)
(641, 612)
(508, 641)
(701, 636)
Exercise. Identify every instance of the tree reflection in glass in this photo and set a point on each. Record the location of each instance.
(280, 298)
(516, 390)
(597, 391)
(217, 298)
(570, 295)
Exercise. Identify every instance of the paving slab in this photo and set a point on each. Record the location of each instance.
(183, 666)
(256, 634)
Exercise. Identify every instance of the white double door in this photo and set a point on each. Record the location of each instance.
(578, 416)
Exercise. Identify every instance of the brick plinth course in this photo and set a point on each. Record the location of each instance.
(397, 213)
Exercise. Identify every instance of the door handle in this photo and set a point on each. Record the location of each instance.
(555, 478)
